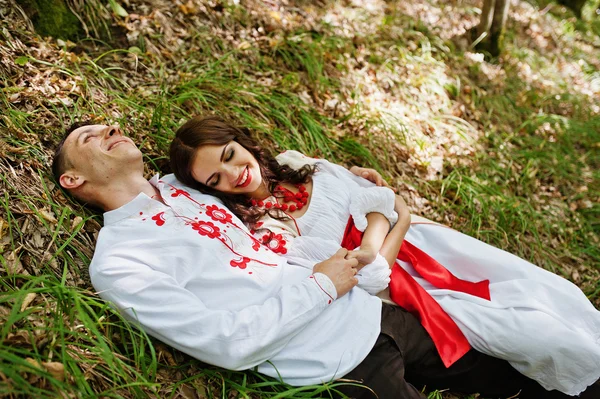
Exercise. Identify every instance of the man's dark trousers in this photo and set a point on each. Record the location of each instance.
(404, 360)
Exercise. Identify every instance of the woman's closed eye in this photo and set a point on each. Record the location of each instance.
(215, 181)
(230, 155)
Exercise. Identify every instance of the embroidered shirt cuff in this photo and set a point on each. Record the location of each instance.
(326, 285)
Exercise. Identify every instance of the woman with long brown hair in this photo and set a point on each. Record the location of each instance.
(465, 292)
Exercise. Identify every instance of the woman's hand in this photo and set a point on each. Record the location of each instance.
(364, 255)
(370, 174)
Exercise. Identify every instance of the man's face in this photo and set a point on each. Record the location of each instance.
(97, 154)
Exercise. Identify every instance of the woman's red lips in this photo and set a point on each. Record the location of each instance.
(248, 178)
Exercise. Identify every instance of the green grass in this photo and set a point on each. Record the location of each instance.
(520, 158)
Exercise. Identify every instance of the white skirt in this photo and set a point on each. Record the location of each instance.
(541, 323)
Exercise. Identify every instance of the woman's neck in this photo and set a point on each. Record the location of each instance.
(261, 192)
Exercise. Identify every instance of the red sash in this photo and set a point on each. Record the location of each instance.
(449, 341)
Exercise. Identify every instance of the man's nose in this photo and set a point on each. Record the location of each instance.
(113, 130)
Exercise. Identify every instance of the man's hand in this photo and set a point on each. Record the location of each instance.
(341, 271)
(370, 174)
(364, 256)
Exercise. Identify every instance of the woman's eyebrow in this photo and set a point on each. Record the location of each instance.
(223, 152)
(221, 159)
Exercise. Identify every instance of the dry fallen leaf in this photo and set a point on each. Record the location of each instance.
(188, 392)
(56, 369)
(48, 215)
(76, 221)
(13, 263)
(244, 45)
(34, 363)
(27, 301)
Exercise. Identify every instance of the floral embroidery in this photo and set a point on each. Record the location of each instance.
(242, 264)
(206, 229)
(218, 214)
(179, 192)
(159, 218)
(275, 242)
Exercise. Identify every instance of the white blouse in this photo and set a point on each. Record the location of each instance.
(337, 194)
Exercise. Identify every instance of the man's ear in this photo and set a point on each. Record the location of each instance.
(71, 180)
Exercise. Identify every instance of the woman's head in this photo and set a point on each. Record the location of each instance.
(221, 159)
(212, 155)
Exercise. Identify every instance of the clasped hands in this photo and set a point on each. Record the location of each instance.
(342, 267)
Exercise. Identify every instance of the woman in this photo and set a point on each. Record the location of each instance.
(300, 207)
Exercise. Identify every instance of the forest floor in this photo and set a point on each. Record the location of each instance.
(508, 152)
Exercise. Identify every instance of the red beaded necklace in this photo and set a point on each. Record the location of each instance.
(299, 199)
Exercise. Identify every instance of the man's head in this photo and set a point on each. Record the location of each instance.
(92, 157)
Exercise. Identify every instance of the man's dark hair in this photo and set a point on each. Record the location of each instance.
(60, 161)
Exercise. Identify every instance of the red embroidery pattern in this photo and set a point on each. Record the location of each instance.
(159, 218)
(179, 192)
(218, 214)
(275, 242)
(242, 264)
(206, 229)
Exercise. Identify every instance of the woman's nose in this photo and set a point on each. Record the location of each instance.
(232, 173)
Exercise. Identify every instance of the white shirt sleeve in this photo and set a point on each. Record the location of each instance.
(306, 251)
(235, 340)
(375, 277)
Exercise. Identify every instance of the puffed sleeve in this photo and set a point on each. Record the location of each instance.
(296, 160)
(375, 277)
(374, 199)
(367, 196)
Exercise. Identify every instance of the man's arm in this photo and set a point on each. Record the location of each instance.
(235, 340)
(371, 175)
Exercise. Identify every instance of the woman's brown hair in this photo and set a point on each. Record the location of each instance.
(212, 130)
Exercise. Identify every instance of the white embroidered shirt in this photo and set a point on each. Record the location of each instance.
(192, 276)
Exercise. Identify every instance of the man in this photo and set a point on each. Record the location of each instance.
(191, 275)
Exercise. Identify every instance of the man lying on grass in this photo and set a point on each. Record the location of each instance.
(188, 271)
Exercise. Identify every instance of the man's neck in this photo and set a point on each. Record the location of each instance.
(122, 191)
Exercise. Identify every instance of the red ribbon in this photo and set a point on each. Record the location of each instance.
(449, 341)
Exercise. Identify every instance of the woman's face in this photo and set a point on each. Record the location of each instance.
(228, 168)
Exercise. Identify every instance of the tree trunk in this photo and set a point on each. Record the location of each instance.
(487, 14)
(490, 31)
(497, 28)
(53, 18)
(575, 5)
